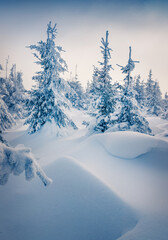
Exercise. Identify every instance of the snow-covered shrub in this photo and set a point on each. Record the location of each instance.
(18, 160)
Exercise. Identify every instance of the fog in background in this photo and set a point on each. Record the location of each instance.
(140, 24)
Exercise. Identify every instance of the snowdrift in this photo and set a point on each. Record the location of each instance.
(133, 165)
(128, 145)
(76, 206)
(94, 188)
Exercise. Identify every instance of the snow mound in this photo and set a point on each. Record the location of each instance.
(76, 206)
(140, 181)
(128, 145)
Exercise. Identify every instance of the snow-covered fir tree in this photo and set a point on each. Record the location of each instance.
(128, 116)
(6, 119)
(3, 88)
(153, 96)
(76, 96)
(139, 87)
(13, 93)
(149, 91)
(19, 96)
(88, 98)
(102, 90)
(19, 82)
(165, 107)
(47, 96)
(10, 87)
(156, 100)
(1, 68)
(93, 93)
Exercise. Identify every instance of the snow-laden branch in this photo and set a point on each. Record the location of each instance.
(17, 160)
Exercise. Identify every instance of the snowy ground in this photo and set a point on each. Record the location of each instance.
(106, 186)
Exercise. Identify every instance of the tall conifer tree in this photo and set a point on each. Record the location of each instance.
(47, 100)
(103, 90)
(129, 116)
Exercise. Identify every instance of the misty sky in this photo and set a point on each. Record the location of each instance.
(81, 24)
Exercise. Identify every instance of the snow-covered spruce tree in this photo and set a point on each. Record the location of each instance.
(165, 107)
(102, 90)
(87, 96)
(156, 100)
(3, 89)
(129, 116)
(14, 93)
(77, 99)
(10, 89)
(20, 95)
(47, 100)
(1, 68)
(19, 82)
(139, 87)
(153, 96)
(92, 93)
(6, 119)
(76, 96)
(149, 92)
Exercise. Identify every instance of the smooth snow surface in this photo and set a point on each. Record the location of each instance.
(75, 206)
(128, 144)
(106, 186)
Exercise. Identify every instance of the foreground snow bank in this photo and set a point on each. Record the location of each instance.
(77, 206)
(17, 160)
(84, 204)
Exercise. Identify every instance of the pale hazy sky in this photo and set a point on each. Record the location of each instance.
(140, 24)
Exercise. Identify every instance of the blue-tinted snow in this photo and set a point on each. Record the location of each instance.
(138, 179)
(76, 206)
